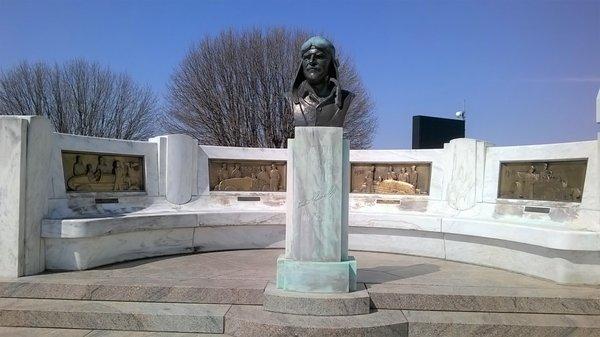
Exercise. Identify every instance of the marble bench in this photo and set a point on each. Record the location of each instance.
(538, 249)
(83, 243)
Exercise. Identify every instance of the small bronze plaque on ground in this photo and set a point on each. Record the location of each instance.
(402, 179)
(247, 175)
(543, 180)
(100, 172)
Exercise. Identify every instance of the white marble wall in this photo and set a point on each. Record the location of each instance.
(25, 147)
(461, 219)
(13, 151)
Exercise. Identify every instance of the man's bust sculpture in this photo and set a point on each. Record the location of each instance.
(317, 98)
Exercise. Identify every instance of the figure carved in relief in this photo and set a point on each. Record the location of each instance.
(263, 179)
(546, 172)
(413, 177)
(369, 180)
(223, 174)
(391, 174)
(134, 176)
(119, 175)
(79, 168)
(366, 185)
(539, 184)
(236, 172)
(92, 175)
(525, 182)
(103, 166)
(103, 174)
(274, 178)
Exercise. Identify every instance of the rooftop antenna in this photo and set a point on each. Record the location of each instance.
(461, 114)
(598, 107)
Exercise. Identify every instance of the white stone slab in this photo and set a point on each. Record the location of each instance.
(13, 152)
(244, 153)
(316, 203)
(203, 173)
(39, 147)
(556, 238)
(181, 168)
(85, 253)
(563, 266)
(461, 173)
(161, 144)
(91, 227)
(598, 107)
(424, 223)
(398, 241)
(239, 237)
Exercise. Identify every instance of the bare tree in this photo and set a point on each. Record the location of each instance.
(232, 90)
(81, 98)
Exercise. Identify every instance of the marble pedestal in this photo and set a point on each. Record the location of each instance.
(316, 257)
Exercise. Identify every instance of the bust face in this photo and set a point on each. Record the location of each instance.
(315, 65)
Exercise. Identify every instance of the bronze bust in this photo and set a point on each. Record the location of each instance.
(317, 98)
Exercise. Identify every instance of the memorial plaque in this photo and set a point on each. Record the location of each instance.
(391, 178)
(542, 180)
(101, 172)
(247, 175)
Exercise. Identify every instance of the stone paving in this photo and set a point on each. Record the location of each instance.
(254, 268)
(429, 295)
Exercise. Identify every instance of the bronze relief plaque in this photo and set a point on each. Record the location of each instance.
(247, 175)
(542, 180)
(392, 178)
(100, 172)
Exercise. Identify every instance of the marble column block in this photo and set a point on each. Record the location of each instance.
(598, 107)
(25, 148)
(178, 167)
(316, 257)
(13, 151)
(463, 178)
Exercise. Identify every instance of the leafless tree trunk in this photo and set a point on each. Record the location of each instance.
(81, 98)
(232, 90)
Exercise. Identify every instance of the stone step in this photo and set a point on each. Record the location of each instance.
(109, 315)
(207, 291)
(467, 324)
(253, 321)
(317, 304)
(568, 300)
(46, 332)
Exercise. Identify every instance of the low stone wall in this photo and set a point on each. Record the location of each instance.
(187, 198)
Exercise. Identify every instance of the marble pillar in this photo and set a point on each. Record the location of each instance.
(316, 257)
(178, 167)
(463, 179)
(25, 148)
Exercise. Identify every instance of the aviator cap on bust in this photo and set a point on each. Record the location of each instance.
(318, 42)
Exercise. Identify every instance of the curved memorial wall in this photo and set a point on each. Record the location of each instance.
(80, 202)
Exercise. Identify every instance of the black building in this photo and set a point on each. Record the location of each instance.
(433, 132)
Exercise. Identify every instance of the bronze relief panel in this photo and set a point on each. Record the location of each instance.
(542, 180)
(247, 175)
(391, 178)
(99, 172)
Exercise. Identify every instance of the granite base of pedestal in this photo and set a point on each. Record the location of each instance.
(316, 277)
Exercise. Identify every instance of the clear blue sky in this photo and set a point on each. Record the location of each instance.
(529, 70)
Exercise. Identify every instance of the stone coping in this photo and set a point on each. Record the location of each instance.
(528, 233)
